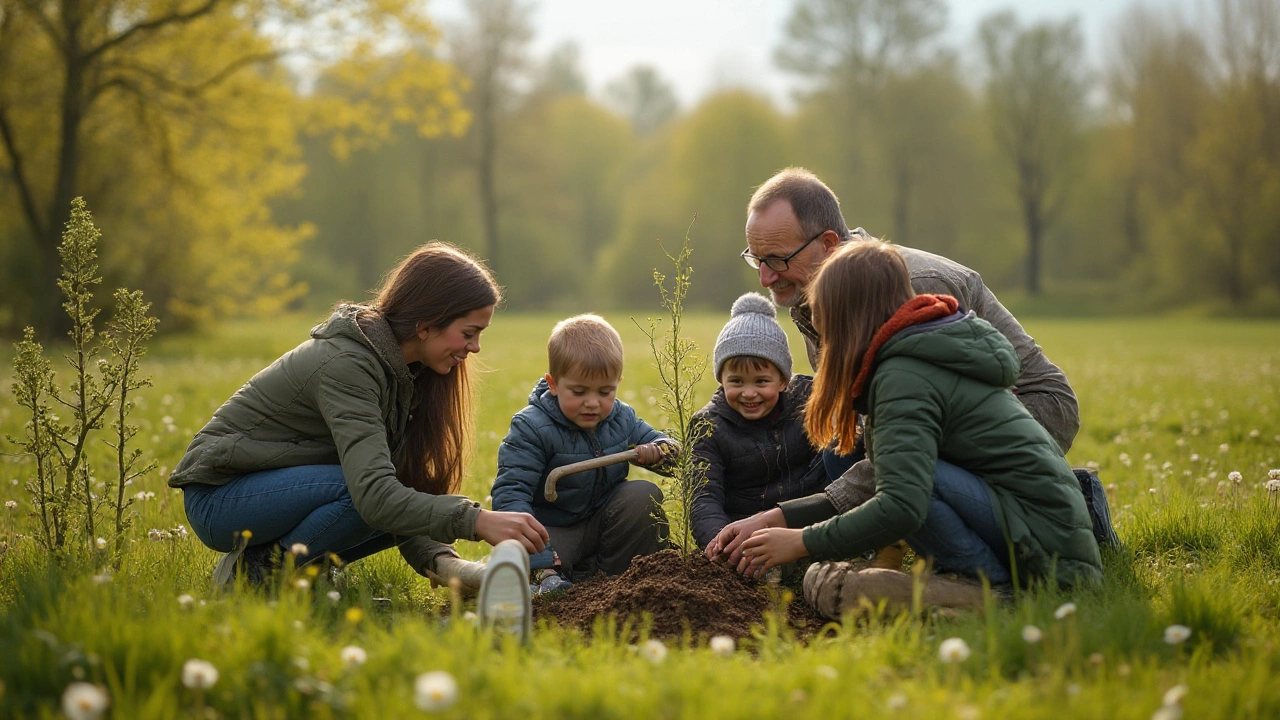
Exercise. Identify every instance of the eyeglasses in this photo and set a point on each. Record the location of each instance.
(776, 264)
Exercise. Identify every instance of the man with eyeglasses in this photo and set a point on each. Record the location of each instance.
(794, 222)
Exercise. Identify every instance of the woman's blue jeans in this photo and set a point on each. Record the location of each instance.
(308, 504)
(961, 532)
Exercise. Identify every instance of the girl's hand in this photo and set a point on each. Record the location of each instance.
(770, 548)
(493, 527)
(728, 544)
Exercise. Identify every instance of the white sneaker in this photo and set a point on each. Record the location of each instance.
(504, 601)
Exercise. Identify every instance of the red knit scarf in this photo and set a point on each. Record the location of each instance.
(919, 309)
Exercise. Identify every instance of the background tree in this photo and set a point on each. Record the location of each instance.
(493, 52)
(644, 98)
(178, 122)
(1035, 98)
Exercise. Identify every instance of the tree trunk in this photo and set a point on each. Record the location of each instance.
(51, 322)
(488, 193)
(901, 200)
(1034, 216)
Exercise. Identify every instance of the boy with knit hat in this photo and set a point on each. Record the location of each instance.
(757, 453)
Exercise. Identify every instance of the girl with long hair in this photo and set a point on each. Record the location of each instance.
(354, 441)
(963, 473)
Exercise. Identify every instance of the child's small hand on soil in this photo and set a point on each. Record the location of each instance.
(728, 544)
(769, 548)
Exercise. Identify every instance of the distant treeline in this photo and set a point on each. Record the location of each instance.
(1150, 182)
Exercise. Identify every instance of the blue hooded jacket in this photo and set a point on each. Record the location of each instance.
(541, 439)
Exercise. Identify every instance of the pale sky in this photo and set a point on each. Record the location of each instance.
(703, 45)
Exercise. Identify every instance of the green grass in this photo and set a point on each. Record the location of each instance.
(1170, 408)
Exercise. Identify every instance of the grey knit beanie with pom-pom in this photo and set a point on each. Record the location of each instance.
(753, 329)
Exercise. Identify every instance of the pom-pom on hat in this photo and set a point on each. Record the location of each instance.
(753, 329)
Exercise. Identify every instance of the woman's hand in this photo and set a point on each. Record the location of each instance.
(728, 544)
(493, 527)
(770, 548)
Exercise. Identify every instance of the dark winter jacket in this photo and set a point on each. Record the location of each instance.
(541, 439)
(752, 465)
(940, 390)
(341, 398)
(1040, 385)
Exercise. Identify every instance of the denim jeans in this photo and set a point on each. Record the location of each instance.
(308, 504)
(960, 531)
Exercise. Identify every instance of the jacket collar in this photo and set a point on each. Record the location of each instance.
(917, 310)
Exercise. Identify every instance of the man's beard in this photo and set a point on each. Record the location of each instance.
(793, 300)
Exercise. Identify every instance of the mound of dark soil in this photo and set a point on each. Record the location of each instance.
(709, 599)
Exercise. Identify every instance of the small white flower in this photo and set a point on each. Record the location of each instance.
(474, 619)
(1235, 477)
(101, 543)
(11, 504)
(1174, 695)
(1274, 474)
(185, 601)
(199, 674)
(968, 712)
(1195, 457)
(82, 701)
(826, 671)
(1073, 689)
(953, 650)
(1272, 486)
(298, 549)
(896, 701)
(1064, 610)
(1255, 433)
(1224, 447)
(654, 651)
(302, 583)
(334, 596)
(1175, 634)
(102, 578)
(1032, 634)
(435, 690)
(1167, 712)
(723, 645)
(354, 655)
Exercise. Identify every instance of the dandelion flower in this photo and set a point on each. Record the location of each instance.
(199, 674)
(302, 583)
(723, 645)
(654, 651)
(826, 671)
(353, 655)
(435, 690)
(1065, 610)
(82, 701)
(953, 650)
(896, 701)
(354, 615)
(1174, 695)
(185, 601)
(100, 542)
(1175, 634)
(1032, 634)
(1235, 477)
(1273, 486)
(1167, 712)
(1274, 474)
(298, 549)
(11, 504)
(334, 596)
(1224, 447)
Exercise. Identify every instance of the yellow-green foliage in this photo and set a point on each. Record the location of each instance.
(1195, 555)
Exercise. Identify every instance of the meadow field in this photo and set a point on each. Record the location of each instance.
(1172, 408)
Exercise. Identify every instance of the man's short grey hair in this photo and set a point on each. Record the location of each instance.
(815, 206)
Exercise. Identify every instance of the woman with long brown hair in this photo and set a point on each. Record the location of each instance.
(354, 441)
(963, 473)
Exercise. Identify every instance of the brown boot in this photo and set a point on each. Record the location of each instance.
(834, 589)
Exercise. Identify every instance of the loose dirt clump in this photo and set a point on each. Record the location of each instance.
(697, 594)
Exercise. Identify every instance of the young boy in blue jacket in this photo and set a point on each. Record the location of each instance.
(600, 520)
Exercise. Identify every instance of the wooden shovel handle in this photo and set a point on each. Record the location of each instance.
(592, 464)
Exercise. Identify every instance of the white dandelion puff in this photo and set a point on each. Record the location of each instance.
(1175, 634)
(101, 543)
(334, 596)
(185, 601)
(353, 655)
(826, 671)
(1235, 477)
(199, 674)
(1174, 695)
(654, 651)
(298, 549)
(11, 504)
(723, 645)
(436, 690)
(1032, 634)
(82, 701)
(1065, 610)
(953, 650)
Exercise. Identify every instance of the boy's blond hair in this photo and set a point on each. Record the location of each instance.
(585, 344)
